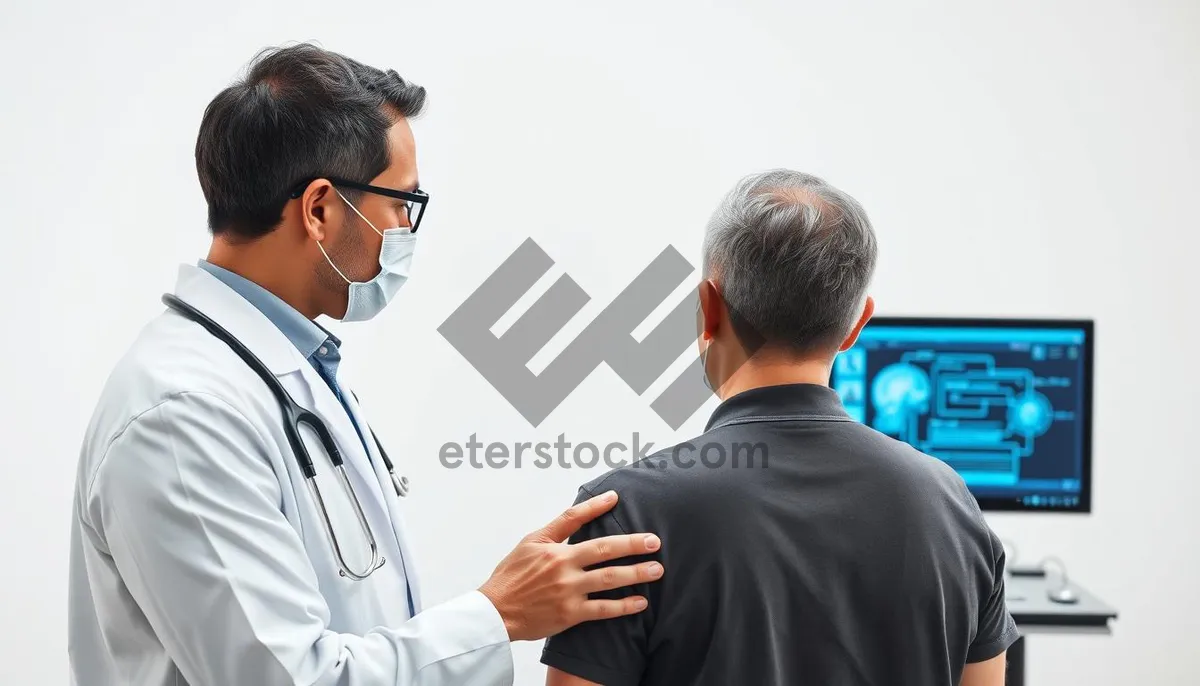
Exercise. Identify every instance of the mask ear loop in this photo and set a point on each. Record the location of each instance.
(704, 354)
(360, 214)
(331, 264)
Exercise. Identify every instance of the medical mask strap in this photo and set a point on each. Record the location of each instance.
(331, 264)
(360, 214)
(704, 358)
(704, 367)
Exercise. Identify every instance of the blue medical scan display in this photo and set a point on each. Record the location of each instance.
(1005, 403)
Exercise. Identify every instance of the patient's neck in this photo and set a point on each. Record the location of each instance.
(776, 372)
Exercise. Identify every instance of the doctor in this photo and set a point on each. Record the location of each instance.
(199, 552)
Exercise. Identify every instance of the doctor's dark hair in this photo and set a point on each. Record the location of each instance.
(300, 112)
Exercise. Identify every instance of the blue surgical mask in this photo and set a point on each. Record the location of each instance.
(367, 299)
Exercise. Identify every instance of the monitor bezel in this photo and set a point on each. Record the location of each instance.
(1088, 326)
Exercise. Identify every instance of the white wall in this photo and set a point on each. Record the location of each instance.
(1024, 158)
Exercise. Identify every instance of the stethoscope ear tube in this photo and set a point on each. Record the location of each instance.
(326, 438)
(299, 450)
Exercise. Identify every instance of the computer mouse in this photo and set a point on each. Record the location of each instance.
(1063, 595)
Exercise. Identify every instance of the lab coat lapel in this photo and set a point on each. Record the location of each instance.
(239, 317)
(392, 500)
(242, 319)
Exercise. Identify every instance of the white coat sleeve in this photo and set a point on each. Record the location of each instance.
(189, 507)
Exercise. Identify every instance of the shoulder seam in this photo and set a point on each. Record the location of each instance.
(609, 513)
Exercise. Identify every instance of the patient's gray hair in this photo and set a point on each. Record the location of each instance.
(792, 257)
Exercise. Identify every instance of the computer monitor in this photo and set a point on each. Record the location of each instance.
(1006, 402)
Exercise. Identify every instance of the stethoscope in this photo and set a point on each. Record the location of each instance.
(293, 416)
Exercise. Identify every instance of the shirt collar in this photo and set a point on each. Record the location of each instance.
(303, 332)
(807, 401)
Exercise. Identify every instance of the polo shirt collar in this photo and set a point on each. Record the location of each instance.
(799, 401)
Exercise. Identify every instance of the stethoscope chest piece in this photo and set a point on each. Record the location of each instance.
(401, 484)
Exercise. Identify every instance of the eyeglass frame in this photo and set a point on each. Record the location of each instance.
(420, 197)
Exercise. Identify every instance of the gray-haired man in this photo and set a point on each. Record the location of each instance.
(844, 557)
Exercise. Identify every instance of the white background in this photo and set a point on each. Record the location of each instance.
(1017, 158)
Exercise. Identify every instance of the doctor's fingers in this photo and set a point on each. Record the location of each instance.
(573, 518)
(599, 550)
(608, 609)
(609, 578)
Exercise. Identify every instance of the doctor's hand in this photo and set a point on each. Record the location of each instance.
(541, 588)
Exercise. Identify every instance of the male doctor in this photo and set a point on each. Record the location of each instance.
(198, 553)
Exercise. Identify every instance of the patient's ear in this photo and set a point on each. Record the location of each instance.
(712, 309)
(867, 312)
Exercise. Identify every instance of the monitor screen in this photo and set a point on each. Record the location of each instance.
(1006, 403)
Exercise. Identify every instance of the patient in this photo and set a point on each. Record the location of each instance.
(840, 556)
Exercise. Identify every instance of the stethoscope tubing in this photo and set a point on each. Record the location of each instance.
(293, 416)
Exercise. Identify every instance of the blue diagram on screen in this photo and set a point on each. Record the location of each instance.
(999, 405)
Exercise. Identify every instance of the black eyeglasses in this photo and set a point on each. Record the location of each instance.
(414, 201)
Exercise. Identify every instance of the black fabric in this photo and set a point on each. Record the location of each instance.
(841, 557)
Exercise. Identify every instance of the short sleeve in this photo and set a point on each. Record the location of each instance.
(611, 652)
(997, 630)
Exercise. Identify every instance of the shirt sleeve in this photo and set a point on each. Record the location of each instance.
(611, 652)
(188, 506)
(997, 630)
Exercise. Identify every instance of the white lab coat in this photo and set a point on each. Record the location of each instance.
(197, 554)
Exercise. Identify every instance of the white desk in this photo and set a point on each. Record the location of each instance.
(1030, 605)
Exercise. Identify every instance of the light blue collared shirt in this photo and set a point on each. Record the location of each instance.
(320, 347)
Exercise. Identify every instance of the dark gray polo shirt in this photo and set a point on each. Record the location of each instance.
(817, 551)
